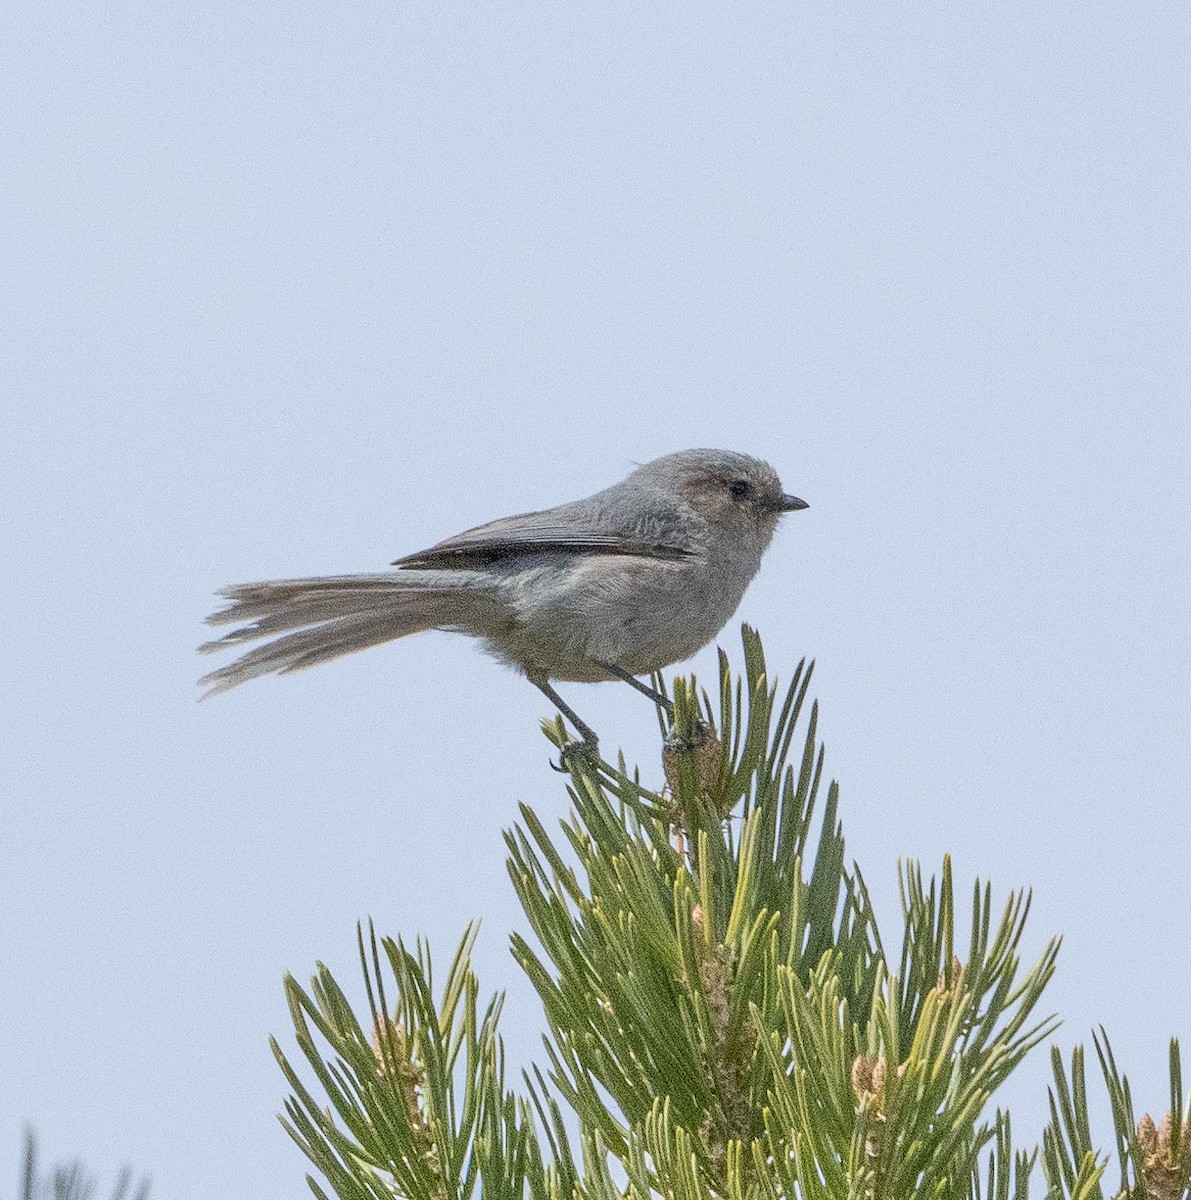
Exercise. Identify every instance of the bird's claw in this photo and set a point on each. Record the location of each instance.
(586, 751)
(699, 735)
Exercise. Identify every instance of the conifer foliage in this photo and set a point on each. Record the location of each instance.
(724, 1018)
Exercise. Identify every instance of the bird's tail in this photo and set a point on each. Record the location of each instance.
(335, 616)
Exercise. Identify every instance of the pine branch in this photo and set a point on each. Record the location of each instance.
(71, 1181)
(418, 1103)
(723, 1019)
(1154, 1159)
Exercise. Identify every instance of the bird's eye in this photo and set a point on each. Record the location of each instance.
(739, 488)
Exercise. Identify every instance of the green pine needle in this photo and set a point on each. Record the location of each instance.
(722, 1019)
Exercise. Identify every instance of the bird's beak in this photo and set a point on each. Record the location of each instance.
(790, 504)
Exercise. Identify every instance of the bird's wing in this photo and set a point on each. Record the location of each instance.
(533, 534)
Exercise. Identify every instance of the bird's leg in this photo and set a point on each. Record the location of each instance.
(590, 743)
(643, 688)
(673, 741)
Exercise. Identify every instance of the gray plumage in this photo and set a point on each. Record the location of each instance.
(625, 582)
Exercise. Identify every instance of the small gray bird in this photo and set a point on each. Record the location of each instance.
(624, 583)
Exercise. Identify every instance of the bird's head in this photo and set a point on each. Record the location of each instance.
(739, 497)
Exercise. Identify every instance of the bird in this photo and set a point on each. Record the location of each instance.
(623, 583)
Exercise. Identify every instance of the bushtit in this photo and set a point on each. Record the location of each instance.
(628, 581)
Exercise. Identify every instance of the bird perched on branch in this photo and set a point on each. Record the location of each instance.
(623, 583)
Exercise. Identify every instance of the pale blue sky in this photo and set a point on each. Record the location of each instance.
(298, 289)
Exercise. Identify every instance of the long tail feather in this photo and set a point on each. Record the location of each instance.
(335, 616)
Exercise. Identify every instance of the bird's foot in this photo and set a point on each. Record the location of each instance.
(586, 751)
(692, 739)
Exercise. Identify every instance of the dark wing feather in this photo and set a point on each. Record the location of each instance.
(528, 534)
